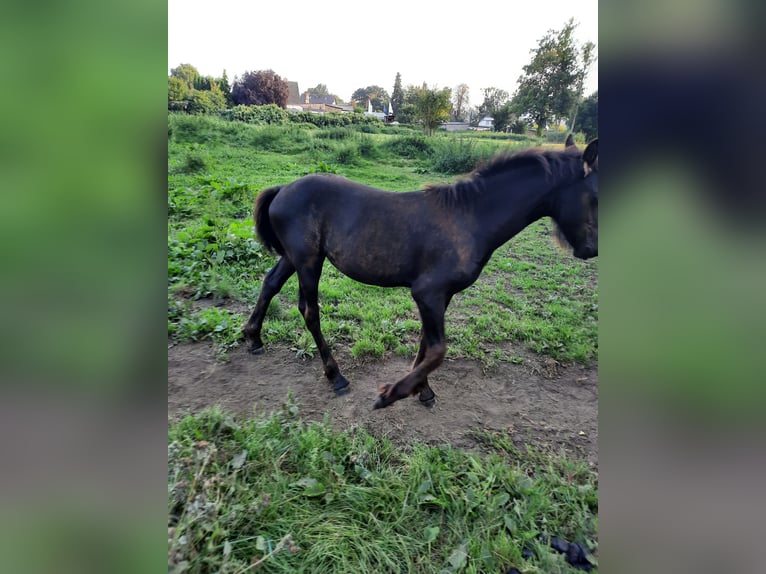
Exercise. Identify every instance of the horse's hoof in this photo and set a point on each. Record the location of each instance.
(256, 350)
(379, 404)
(427, 397)
(341, 386)
(429, 402)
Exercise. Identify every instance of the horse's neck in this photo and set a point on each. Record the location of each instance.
(511, 202)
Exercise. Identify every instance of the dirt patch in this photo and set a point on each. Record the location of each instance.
(539, 402)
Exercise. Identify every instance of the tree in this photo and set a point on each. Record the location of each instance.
(433, 107)
(504, 117)
(178, 91)
(225, 88)
(587, 120)
(377, 95)
(259, 88)
(552, 82)
(460, 102)
(397, 96)
(187, 73)
(493, 99)
(320, 90)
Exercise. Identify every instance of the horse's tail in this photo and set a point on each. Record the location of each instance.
(262, 222)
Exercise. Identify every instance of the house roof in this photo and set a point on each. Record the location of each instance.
(293, 97)
(317, 99)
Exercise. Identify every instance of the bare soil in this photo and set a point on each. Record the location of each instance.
(539, 402)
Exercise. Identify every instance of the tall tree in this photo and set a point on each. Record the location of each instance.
(377, 95)
(493, 99)
(433, 107)
(460, 102)
(587, 119)
(504, 117)
(177, 89)
(397, 96)
(552, 82)
(259, 88)
(187, 73)
(225, 88)
(319, 90)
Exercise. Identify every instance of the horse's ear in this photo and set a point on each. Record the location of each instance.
(590, 157)
(569, 142)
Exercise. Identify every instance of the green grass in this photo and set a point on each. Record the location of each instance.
(531, 293)
(300, 497)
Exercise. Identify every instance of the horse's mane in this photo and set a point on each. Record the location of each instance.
(556, 165)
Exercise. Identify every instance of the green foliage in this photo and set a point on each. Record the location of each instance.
(259, 114)
(347, 154)
(197, 159)
(178, 90)
(377, 95)
(186, 73)
(494, 99)
(412, 147)
(519, 126)
(460, 103)
(587, 117)
(335, 133)
(205, 102)
(221, 326)
(552, 82)
(301, 497)
(397, 95)
(432, 108)
(504, 117)
(457, 155)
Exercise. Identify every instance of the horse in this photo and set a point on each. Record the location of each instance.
(434, 241)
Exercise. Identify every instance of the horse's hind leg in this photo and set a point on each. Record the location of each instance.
(272, 284)
(308, 304)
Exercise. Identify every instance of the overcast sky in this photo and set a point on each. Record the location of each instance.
(351, 45)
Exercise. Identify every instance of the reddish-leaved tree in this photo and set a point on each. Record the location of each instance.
(260, 88)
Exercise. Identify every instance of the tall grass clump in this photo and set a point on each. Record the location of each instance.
(410, 146)
(284, 139)
(460, 155)
(197, 159)
(335, 133)
(187, 128)
(347, 153)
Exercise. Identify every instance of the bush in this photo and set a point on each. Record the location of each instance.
(457, 155)
(196, 160)
(189, 128)
(367, 147)
(555, 136)
(267, 114)
(347, 154)
(412, 147)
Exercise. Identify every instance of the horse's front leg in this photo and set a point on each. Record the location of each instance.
(427, 395)
(272, 284)
(433, 347)
(309, 308)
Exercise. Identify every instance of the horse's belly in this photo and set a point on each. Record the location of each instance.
(374, 271)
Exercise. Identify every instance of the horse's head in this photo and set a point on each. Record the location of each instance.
(576, 210)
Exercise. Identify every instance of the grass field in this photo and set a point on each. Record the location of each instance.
(302, 498)
(277, 494)
(530, 292)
